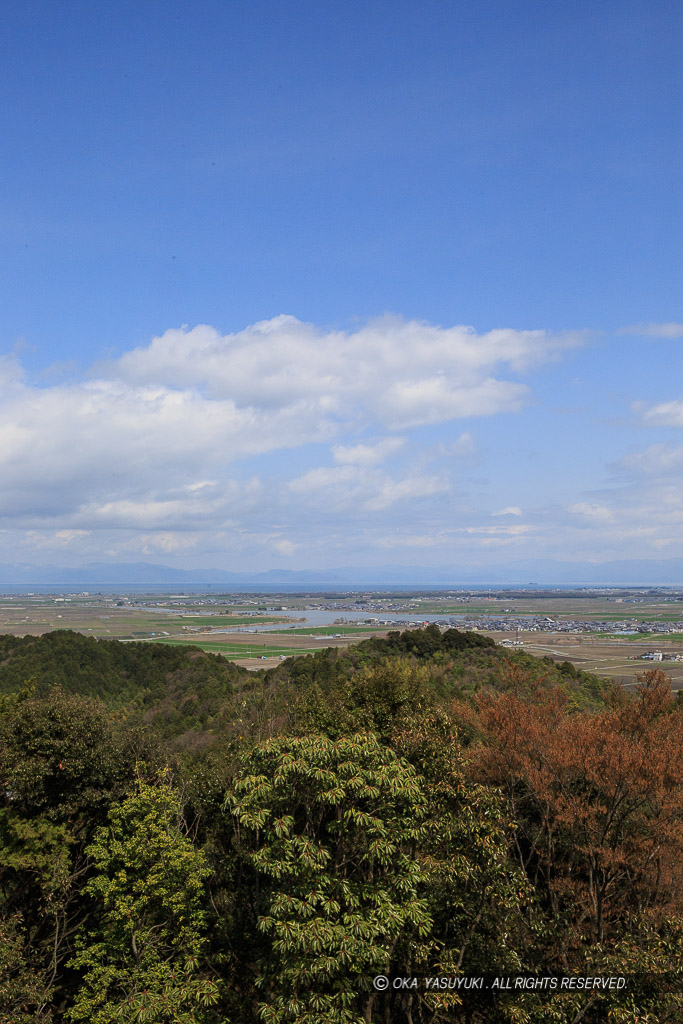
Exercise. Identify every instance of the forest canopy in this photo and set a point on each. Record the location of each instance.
(186, 842)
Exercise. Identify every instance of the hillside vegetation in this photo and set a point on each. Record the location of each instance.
(186, 842)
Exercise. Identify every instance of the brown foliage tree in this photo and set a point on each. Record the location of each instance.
(598, 801)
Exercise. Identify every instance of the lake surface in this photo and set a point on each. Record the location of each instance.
(318, 617)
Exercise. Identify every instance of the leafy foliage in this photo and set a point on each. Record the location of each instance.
(142, 961)
(178, 688)
(332, 827)
(60, 770)
(369, 867)
(23, 995)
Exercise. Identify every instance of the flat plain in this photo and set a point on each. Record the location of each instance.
(611, 636)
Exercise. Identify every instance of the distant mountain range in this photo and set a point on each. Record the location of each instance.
(522, 572)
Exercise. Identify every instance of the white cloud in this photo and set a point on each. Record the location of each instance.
(285, 547)
(366, 454)
(147, 441)
(638, 517)
(436, 400)
(398, 371)
(511, 510)
(657, 460)
(325, 478)
(392, 491)
(360, 487)
(143, 456)
(666, 330)
(663, 414)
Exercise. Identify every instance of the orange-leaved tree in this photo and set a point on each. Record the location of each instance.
(598, 802)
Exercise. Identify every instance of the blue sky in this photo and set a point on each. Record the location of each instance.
(309, 284)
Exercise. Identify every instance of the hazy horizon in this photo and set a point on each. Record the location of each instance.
(534, 574)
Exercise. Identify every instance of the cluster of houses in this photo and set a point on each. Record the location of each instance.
(545, 624)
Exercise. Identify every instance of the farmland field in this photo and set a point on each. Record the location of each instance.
(222, 624)
(240, 649)
(102, 618)
(252, 649)
(619, 659)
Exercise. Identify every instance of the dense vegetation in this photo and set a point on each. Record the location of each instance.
(184, 842)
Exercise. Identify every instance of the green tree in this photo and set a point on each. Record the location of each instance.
(368, 864)
(144, 961)
(373, 699)
(476, 892)
(59, 769)
(331, 827)
(23, 996)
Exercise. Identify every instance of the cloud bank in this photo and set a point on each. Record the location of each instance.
(133, 442)
(401, 373)
(291, 441)
(275, 440)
